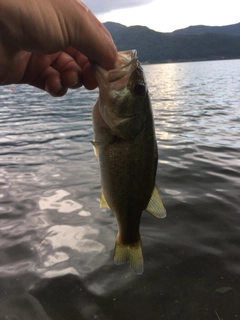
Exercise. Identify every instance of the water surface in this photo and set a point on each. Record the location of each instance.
(56, 244)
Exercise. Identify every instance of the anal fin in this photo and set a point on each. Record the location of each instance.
(155, 205)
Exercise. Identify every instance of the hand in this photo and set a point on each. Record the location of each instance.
(49, 43)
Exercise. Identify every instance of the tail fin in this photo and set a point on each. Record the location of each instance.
(132, 254)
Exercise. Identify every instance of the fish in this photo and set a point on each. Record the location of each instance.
(126, 148)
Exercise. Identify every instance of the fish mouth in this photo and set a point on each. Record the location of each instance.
(112, 84)
(127, 61)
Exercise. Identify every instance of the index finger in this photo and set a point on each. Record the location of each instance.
(89, 36)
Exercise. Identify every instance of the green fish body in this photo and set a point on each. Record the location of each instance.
(126, 147)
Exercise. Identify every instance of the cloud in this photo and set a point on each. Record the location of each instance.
(100, 7)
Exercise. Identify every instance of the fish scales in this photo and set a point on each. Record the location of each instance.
(126, 147)
(120, 163)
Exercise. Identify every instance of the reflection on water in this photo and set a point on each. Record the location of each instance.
(56, 244)
(64, 242)
(64, 206)
(74, 245)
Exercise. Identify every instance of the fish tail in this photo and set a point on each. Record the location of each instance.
(131, 253)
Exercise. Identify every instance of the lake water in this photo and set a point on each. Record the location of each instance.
(56, 244)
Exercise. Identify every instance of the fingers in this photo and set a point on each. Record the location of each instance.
(54, 73)
(31, 45)
(70, 71)
(57, 83)
(50, 81)
(88, 76)
(71, 78)
(53, 86)
(93, 40)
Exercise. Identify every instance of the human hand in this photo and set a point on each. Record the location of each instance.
(49, 43)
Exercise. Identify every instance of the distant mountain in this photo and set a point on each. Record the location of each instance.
(233, 29)
(154, 47)
(114, 27)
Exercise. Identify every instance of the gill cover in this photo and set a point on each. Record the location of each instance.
(122, 96)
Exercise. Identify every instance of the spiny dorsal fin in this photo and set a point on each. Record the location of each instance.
(155, 205)
(103, 202)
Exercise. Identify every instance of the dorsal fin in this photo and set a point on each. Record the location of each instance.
(155, 205)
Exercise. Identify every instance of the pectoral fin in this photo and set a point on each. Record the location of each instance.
(155, 205)
(103, 202)
(96, 145)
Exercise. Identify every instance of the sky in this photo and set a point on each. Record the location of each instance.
(167, 15)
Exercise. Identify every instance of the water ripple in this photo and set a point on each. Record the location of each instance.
(54, 238)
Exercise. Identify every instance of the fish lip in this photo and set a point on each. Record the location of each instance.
(133, 59)
(128, 65)
(110, 84)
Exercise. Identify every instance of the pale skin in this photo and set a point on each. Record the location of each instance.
(49, 44)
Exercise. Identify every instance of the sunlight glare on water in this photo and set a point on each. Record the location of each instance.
(56, 244)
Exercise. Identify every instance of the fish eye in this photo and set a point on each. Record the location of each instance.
(140, 88)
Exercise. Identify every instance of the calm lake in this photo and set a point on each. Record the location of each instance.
(56, 244)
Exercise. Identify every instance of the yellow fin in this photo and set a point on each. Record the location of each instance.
(155, 205)
(103, 202)
(132, 254)
(95, 147)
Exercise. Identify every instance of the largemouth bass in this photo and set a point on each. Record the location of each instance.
(126, 147)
